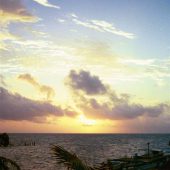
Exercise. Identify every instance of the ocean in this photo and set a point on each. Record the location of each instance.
(92, 148)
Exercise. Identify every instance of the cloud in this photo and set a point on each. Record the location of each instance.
(138, 62)
(17, 107)
(73, 15)
(157, 70)
(35, 44)
(2, 81)
(96, 53)
(111, 106)
(86, 82)
(39, 33)
(102, 26)
(14, 11)
(42, 88)
(5, 35)
(121, 110)
(61, 20)
(46, 4)
(124, 110)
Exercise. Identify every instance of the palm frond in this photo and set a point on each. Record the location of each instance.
(8, 164)
(70, 160)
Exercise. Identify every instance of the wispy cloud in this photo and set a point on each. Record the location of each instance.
(10, 12)
(73, 15)
(42, 88)
(46, 4)
(33, 43)
(5, 35)
(101, 26)
(156, 69)
(140, 62)
(61, 20)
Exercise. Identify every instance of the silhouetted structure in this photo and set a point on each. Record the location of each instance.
(4, 139)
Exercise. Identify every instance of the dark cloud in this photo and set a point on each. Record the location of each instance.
(14, 11)
(130, 111)
(49, 91)
(17, 107)
(14, 6)
(111, 106)
(124, 110)
(86, 82)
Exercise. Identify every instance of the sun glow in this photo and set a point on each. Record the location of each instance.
(85, 121)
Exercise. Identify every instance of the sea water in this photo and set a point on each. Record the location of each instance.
(91, 148)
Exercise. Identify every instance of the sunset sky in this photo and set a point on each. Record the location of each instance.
(85, 66)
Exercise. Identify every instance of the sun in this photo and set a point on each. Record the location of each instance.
(85, 121)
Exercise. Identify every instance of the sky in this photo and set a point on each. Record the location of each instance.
(85, 66)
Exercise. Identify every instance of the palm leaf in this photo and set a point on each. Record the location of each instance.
(70, 160)
(8, 164)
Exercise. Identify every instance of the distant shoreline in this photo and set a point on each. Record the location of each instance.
(90, 133)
